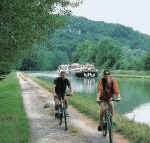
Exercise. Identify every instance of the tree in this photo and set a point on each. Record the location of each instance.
(42, 58)
(85, 52)
(108, 54)
(23, 22)
(147, 61)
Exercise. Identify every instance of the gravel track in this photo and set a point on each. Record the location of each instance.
(43, 126)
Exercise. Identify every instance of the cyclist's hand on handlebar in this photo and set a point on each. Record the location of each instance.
(117, 99)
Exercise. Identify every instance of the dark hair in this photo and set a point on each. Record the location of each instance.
(62, 72)
(106, 72)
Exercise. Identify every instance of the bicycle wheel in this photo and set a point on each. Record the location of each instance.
(60, 114)
(110, 130)
(104, 127)
(65, 119)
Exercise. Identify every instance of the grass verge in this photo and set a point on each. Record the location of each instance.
(135, 132)
(44, 83)
(13, 121)
(131, 74)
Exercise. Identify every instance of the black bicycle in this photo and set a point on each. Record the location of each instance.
(107, 121)
(62, 115)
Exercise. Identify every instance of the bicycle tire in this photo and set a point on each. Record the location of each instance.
(65, 119)
(60, 115)
(110, 131)
(105, 132)
(104, 127)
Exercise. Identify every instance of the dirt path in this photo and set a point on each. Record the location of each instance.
(43, 126)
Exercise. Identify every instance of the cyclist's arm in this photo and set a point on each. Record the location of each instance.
(99, 90)
(116, 89)
(69, 86)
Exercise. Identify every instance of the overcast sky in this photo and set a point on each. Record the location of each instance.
(133, 13)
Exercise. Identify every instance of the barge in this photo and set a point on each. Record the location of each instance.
(80, 70)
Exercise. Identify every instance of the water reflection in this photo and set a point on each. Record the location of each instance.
(78, 84)
(140, 114)
(83, 85)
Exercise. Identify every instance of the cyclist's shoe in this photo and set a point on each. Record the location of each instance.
(99, 128)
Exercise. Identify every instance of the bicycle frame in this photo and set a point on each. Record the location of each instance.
(62, 113)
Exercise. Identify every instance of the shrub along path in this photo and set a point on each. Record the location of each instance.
(45, 129)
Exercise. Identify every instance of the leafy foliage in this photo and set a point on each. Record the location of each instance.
(104, 44)
(147, 61)
(108, 54)
(23, 23)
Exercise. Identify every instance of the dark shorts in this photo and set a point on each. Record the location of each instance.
(61, 96)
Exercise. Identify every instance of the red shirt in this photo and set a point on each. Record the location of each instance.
(107, 88)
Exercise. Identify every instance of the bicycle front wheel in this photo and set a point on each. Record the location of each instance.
(110, 131)
(104, 129)
(60, 115)
(104, 125)
(65, 118)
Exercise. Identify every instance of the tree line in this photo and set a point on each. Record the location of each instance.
(23, 23)
(80, 40)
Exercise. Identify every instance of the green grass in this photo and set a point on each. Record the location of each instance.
(13, 121)
(43, 82)
(135, 132)
(131, 74)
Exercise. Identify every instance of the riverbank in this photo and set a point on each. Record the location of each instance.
(131, 74)
(135, 132)
(13, 120)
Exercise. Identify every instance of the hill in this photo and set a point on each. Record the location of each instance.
(69, 44)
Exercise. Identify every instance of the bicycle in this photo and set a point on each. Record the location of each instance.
(62, 114)
(107, 120)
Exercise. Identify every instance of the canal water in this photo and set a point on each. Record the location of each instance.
(135, 94)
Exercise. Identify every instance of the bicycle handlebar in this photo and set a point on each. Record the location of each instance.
(108, 100)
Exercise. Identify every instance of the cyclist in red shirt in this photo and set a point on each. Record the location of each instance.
(107, 89)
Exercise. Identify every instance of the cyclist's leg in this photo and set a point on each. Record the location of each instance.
(111, 108)
(56, 102)
(66, 102)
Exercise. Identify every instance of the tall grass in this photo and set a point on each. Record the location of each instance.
(13, 120)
